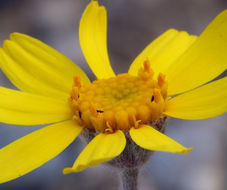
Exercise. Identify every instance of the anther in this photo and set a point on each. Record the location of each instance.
(75, 93)
(100, 111)
(152, 98)
(146, 65)
(146, 72)
(77, 81)
(161, 79)
(157, 95)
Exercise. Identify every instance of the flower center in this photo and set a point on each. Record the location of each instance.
(120, 102)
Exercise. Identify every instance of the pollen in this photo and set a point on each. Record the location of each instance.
(120, 102)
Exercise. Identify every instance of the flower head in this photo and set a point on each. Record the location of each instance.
(164, 80)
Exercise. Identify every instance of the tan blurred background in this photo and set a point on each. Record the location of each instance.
(132, 24)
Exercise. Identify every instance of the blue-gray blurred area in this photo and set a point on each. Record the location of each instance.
(132, 24)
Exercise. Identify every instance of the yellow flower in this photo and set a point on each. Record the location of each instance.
(164, 80)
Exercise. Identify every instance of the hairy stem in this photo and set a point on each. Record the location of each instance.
(129, 178)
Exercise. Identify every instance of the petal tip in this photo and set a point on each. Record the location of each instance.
(186, 150)
(14, 35)
(67, 171)
(74, 169)
(94, 3)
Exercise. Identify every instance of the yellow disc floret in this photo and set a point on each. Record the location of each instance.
(120, 102)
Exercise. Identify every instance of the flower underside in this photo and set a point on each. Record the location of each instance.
(120, 102)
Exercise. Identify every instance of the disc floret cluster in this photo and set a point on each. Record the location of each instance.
(120, 102)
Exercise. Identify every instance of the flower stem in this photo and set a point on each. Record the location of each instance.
(129, 178)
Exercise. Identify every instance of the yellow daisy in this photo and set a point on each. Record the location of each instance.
(164, 80)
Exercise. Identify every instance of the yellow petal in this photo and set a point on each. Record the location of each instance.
(23, 108)
(92, 36)
(35, 67)
(203, 61)
(201, 103)
(163, 51)
(149, 138)
(35, 149)
(102, 148)
(24, 80)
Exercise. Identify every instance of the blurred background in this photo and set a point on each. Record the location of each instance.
(132, 24)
